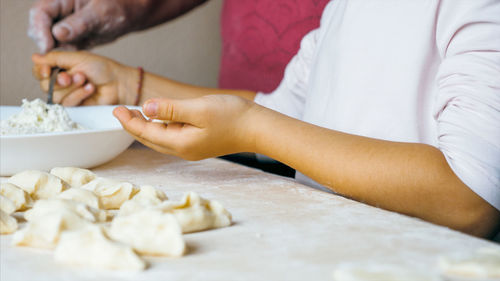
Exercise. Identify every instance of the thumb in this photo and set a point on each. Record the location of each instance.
(77, 26)
(66, 60)
(190, 111)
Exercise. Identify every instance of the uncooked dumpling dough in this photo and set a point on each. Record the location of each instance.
(76, 177)
(39, 185)
(196, 214)
(49, 218)
(6, 205)
(147, 196)
(21, 198)
(90, 247)
(379, 272)
(149, 232)
(81, 195)
(8, 224)
(111, 193)
(484, 264)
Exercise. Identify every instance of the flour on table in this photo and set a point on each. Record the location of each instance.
(38, 117)
(378, 272)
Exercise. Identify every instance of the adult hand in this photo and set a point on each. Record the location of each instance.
(198, 128)
(83, 23)
(88, 79)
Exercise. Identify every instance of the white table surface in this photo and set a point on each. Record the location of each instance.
(282, 230)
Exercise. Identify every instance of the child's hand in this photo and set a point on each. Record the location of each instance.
(89, 79)
(199, 128)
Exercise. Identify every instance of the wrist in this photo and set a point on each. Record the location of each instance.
(127, 78)
(252, 124)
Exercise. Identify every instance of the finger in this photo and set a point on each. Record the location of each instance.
(79, 79)
(134, 123)
(40, 24)
(41, 71)
(64, 60)
(184, 111)
(44, 85)
(76, 26)
(64, 79)
(76, 97)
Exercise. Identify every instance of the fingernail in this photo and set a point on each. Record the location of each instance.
(151, 108)
(89, 87)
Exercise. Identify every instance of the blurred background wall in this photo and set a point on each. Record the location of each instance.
(186, 49)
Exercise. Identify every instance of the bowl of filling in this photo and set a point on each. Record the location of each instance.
(40, 136)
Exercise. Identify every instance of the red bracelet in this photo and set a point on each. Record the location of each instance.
(139, 86)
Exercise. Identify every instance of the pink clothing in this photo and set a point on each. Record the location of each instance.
(260, 37)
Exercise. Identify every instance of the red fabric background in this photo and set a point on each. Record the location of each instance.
(260, 37)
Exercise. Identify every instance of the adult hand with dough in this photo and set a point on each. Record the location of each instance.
(82, 24)
(79, 24)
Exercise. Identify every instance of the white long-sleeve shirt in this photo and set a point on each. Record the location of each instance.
(425, 71)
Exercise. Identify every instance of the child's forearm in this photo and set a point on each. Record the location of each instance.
(409, 178)
(155, 86)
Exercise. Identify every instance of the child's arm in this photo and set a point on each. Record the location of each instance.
(409, 178)
(91, 79)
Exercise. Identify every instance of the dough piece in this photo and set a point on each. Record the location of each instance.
(46, 207)
(149, 232)
(39, 185)
(196, 214)
(81, 195)
(75, 177)
(6, 205)
(146, 197)
(379, 272)
(8, 224)
(112, 194)
(90, 247)
(484, 264)
(21, 198)
(49, 218)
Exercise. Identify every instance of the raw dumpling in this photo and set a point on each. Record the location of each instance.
(45, 207)
(484, 264)
(112, 194)
(8, 224)
(147, 196)
(81, 195)
(149, 232)
(49, 218)
(196, 214)
(90, 247)
(21, 198)
(39, 185)
(6, 205)
(76, 177)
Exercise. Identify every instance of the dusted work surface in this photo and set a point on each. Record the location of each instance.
(282, 230)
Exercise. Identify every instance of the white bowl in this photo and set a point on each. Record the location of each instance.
(102, 140)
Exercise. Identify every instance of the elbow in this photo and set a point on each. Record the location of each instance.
(479, 219)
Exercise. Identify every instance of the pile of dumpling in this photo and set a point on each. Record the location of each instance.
(99, 222)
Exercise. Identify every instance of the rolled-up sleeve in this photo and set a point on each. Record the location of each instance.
(468, 99)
